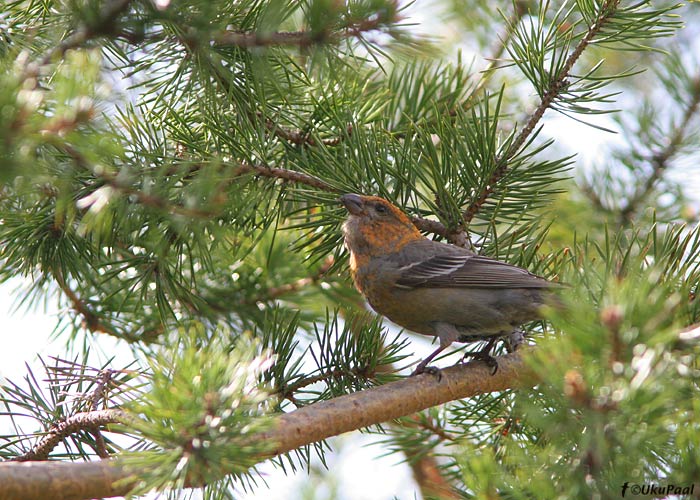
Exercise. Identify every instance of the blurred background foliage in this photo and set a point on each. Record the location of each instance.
(169, 172)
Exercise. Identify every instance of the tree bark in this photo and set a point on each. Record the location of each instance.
(84, 480)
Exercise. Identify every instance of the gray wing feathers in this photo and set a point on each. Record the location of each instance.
(467, 271)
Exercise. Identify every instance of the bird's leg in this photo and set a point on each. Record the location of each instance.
(447, 333)
(424, 364)
(485, 355)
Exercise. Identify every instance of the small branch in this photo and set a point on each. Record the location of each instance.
(104, 25)
(301, 39)
(301, 138)
(278, 291)
(91, 320)
(427, 423)
(100, 392)
(360, 371)
(86, 421)
(294, 176)
(100, 445)
(432, 483)
(430, 226)
(548, 97)
(146, 199)
(661, 159)
(288, 175)
(254, 39)
(306, 425)
(422, 224)
(521, 8)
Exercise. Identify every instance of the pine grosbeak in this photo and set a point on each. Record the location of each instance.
(434, 288)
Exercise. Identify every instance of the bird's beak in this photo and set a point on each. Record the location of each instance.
(353, 202)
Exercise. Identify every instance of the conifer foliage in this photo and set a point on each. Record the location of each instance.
(169, 173)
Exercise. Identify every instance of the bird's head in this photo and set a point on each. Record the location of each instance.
(376, 227)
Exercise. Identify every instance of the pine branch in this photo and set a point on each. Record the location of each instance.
(278, 291)
(301, 39)
(553, 91)
(661, 159)
(293, 176)
(91, 320)
(85, 421)
(430, 479)
(306, 425)
(285, 174)
(427, 423)
(302, 138)
(103, 26)
(521, 8)
(288, 391)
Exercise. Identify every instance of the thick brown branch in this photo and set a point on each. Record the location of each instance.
(432, 482)
(309, 424)
(86, 421)
(556, 85)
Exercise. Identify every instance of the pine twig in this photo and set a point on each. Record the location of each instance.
(285, 174)
(427, 225)
(279, 291)
(553, 91)
(91, 320)
(302, 138)
(359, 371)
(75, 423)
(661, 159)
(520, 11)
(301, 39)
(293, 176)
(432, 482)
(427, 423)
(104, 25)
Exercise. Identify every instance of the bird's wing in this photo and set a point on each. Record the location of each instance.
(466, 271)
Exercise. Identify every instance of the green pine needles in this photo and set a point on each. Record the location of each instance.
(169, 176)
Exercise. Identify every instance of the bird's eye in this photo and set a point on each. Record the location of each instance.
(381, 209)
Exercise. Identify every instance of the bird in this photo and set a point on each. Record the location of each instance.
(435, 288)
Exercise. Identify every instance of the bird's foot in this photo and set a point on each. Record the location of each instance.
(489, 360)
(514, 340)
(432, 370)
(485, 356)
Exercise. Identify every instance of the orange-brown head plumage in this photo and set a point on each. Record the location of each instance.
(375, 227)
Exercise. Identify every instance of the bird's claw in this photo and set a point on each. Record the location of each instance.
(484, 356)
(432, 370)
